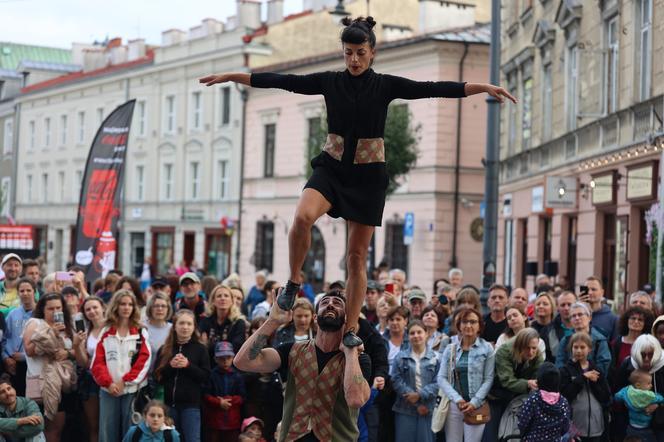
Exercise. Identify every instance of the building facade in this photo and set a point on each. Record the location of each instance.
(280, 126)
(580, 151)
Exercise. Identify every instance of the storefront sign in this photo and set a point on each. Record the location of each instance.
(640, 181)
(604, 189)
(560, 191)
(16, 237)
(537, 201)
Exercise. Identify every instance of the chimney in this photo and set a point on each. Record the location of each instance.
(249, 14)
(78, 52)
(118, 54)
(275, 11)
(172, 36)
(317, 5)
(213, 26)
(436, 15)
(94, 58)
(136, 49)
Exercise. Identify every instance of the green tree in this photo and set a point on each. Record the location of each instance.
(401, 138)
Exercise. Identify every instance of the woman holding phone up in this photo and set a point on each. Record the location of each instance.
(51, 376)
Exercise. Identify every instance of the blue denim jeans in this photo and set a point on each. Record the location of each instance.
(188, 422)
(114, 416)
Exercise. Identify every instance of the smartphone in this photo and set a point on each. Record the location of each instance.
(389, 287)
(583, 293)
(63, 276)
(80, 325)
(442, 299)
(59, 317)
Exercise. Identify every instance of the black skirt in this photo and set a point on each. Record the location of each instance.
(356, 192)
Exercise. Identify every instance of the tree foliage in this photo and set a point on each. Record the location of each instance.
(401, 138)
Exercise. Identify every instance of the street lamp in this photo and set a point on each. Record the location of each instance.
(339, 12)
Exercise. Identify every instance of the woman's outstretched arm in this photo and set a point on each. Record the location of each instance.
(237, 77)
(496, 92)
(407, 89)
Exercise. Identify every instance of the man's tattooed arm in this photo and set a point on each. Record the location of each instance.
(260, 342)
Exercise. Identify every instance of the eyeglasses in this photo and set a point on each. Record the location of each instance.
(636, 318)
(577, 315)
(469, 322)
(159, 306)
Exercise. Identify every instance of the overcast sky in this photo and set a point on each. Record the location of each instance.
(61, 22)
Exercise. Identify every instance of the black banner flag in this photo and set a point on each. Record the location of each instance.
(99, 204)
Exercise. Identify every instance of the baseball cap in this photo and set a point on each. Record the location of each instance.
(338, 284)
(223, 348)
(374, 285)
(416, 294)
(250, 420)
(159, 281)
(648, 288)
(189, 275)
(9, 256)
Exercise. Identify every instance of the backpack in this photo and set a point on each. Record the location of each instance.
(136, 437)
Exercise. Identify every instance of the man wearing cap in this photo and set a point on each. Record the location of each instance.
(374, 291)
(12, 265)
(326, 381)
(160, 284)
(416, 299)
(190, 285)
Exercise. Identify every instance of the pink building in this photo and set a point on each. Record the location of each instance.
(447, 180)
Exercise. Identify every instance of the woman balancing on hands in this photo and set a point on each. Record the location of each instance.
(349, 177)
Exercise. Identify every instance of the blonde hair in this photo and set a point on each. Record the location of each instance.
(112, 317)
(521, 343)
(233, 312)
(551, 301)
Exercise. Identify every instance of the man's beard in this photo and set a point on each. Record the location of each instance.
(331, 324)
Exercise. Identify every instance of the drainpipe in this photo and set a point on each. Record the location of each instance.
(244, 96)
(16, 141)
(457, 165)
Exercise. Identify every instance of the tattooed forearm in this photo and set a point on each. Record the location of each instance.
(358, 379)
(259, 344)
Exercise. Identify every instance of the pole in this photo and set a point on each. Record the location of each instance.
(492, 162)
(660, 234)
(123, 206)
(244, 95)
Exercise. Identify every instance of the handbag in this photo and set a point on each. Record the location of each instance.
(478, 416)
(33, 387)
(439, 415)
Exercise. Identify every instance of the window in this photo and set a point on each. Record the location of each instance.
(396, 252)
(314, 140)
(225, 104)
(61, 186)
(612, 64)
(513, 109)
(44, 188)
(224, 179)
(168, 181)
(28, 188)
(547, 102)
(264, 246)
(644, 52)
(508, 276)
(63, 130)
(196, 111)
(140, 182)
(78, 182)
(268, 162)
(47, 132)
(100, 116)
(527, 101)
(8, 141)
(6, 200)
(142, 128)
(170, 114)
(195, 179)
(31, 134)
(571, 83)
(81, 127)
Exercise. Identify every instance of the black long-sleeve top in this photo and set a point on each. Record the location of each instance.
(356, 109)
(183, 386)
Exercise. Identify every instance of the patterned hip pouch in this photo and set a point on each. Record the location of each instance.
(368, 150)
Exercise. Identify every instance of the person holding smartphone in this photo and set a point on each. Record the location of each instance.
(47, 340)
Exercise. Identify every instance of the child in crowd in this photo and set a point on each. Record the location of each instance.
(253, 426)
(545, 415)
(637, 398)
(585, 387)
(154, 427)
(223, 396)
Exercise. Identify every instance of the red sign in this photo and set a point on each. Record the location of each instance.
(16, 237)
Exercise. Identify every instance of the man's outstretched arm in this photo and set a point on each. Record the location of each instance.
(255, 356)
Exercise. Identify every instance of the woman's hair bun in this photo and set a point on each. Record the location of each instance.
(371, 22)
(346, 21)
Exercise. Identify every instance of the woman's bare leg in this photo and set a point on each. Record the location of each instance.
(91, 410)
(359, 238)
(311, 206)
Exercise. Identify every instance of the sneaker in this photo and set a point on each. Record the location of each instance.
(350, 339)
(287, 295)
